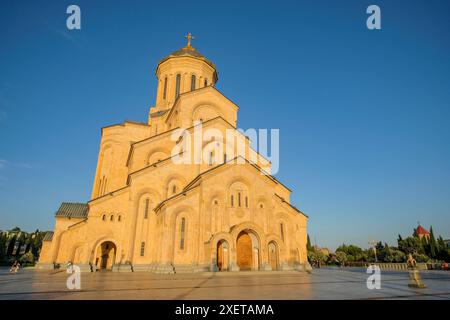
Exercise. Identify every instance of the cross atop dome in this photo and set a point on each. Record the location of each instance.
(189, 37)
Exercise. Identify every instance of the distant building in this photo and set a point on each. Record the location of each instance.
(422, 232)
(447, 243)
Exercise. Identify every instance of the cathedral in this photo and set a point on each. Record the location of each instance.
(157, 207)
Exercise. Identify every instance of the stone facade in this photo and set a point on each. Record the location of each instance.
(149, 213)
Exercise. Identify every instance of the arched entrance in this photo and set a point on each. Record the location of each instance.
(106, 255)
(273, 255)
(244, 251)
(222, 255)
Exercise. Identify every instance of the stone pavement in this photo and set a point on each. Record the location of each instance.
(329, 283)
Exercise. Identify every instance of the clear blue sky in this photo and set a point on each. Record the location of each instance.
(363, 115)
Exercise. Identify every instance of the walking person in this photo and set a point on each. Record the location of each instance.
(13, 267)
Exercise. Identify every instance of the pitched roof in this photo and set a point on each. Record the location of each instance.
(422, 230)
(48, 236)
(72, 210)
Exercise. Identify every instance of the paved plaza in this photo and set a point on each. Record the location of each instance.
(327, 283)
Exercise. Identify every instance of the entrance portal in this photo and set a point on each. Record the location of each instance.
(273, 255)
(244, 251)
(222, 255)
(106, 254)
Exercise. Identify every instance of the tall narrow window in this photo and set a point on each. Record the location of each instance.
(232, 201)
(100, 187)
(142, 249)
(193, 79)
(174, 189)
(282, 231)
(177, 85)
(182, 233)
(147, 203)
(239, 199)
(105, 181)
(211, 155)
(246, 201)
(165, 88)
(206, 82)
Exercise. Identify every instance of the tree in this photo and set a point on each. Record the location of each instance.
(444, 252)
(354, 253)
(394, 255)
(11, 244)
(27, 258)
(37, 243)
(341, 257)
(433, 244)
(308, 244)
(411, 245)
(420, 257)
(2, 247)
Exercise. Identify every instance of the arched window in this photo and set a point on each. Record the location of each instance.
(193, 79)
(142, 249)
(246, 201)
(111, 218)
(177, 85)
(104, 217)
(182, 232)
(282, 231)
(174, 189)
(165, 88)
(119, 218)
(147, 203)
(232, 200)
(206, 82)
(239, 199)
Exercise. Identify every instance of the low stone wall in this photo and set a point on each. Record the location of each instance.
(395, 266)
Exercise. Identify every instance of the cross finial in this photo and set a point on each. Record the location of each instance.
(189, 37)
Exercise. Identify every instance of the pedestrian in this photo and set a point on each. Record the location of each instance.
(13, 267)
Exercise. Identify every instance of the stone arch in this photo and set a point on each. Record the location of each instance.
(76, 253)
(222, 255)
(180, 255)
(95, 249)
(283, 252)
(206, 111)
(214, 244)
(273, 255)
(152, 194)
(196, 85)
(247, 250)
(238, 191)
(220, 150)
(156, 155)
(258, 242)
(176, 180)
